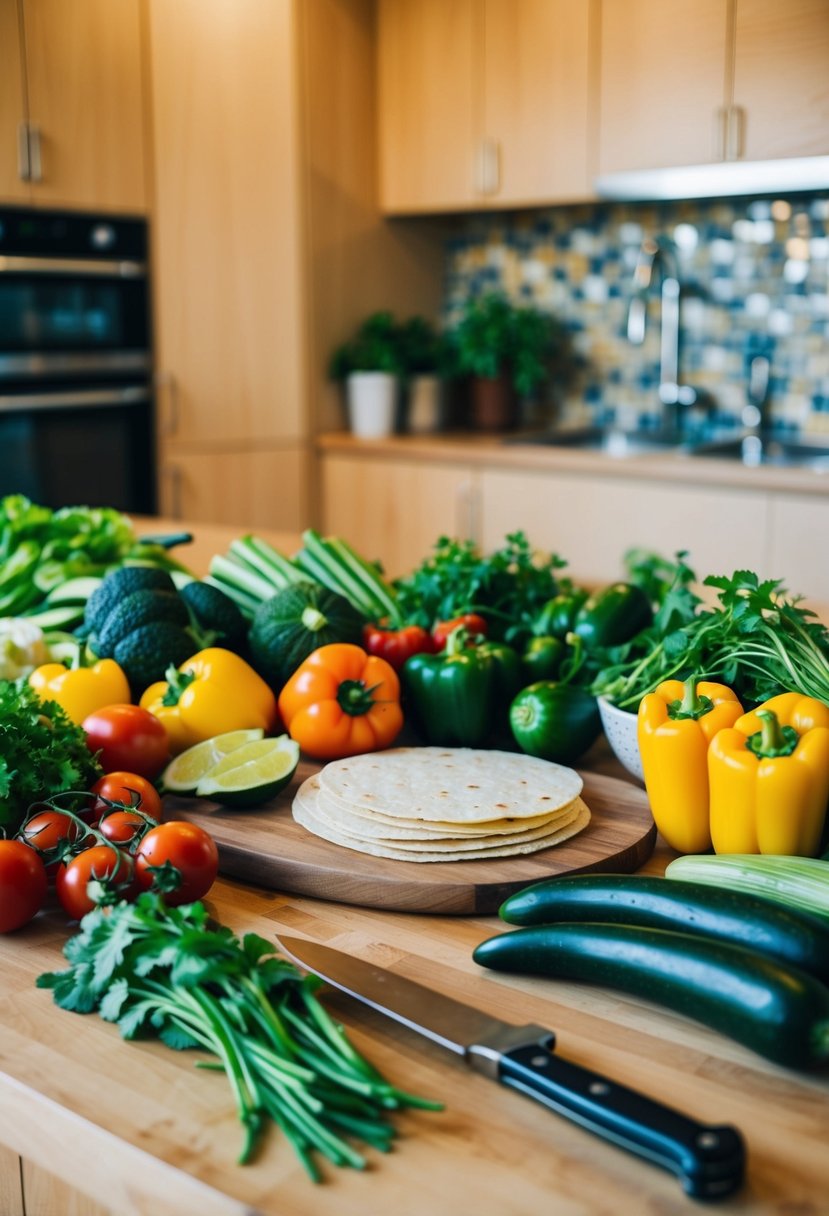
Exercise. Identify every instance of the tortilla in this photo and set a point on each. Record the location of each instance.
(451, 785)
(378, 848)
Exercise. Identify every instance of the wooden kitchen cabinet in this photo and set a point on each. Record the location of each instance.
(251, 488)
(798, 527)
(483, 103)
(705, 81)
(393, 511)
(72, 120)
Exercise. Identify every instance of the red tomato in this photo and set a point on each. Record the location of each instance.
(122, 827)
(190, 849)
(99, 862)
(45, 830)
(23, 884)
(119, 787)
(129, 738)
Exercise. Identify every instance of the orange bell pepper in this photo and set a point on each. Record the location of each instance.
(676, 723)
(342, 701)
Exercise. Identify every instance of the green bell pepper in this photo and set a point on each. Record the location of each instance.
(558, 616)
(452, 693)
(542, 659)
(613, 615)
(555, 721)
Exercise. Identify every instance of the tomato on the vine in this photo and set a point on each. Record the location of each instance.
(103, 862)
(129, 739)
(186, 846)
(45, 830)
(122, 827)
(23, 884)
(121, 787)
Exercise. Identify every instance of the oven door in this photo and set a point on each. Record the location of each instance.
(85, 445)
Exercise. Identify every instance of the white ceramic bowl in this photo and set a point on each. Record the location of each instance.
(620, 728)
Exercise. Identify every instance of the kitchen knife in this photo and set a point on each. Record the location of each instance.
(709, 1160)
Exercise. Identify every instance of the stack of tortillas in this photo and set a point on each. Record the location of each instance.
(442, 804)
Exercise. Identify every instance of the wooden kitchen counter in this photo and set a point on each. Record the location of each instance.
(140, 1130)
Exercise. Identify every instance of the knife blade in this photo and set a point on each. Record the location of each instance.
(709, 1160)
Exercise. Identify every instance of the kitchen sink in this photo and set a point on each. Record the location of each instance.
(753, 450)
(610, 441)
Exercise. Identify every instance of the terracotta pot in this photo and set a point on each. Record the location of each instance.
(494, 404)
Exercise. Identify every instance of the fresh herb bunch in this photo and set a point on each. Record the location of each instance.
(507, 586)
(41, 548)
(172, 973)
(757, 640)
(41, 751)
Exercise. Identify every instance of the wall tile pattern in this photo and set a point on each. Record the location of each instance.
(755, 280)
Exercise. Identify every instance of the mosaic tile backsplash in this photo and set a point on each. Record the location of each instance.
(754, 280)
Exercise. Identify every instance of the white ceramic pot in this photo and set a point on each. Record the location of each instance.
(372, 403)
(424, 413)
(620, 727)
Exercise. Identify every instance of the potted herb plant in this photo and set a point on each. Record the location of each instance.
(424, 358)
(507, 351)
(370, 365)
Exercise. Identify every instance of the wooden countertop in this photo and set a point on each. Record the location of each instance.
(140, 1130)
(503, 451)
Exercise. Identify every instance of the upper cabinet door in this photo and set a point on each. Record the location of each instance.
(781, 79)
(14, 188)
(663, 83)
(83, 67)
(429, 103)
(536, 99)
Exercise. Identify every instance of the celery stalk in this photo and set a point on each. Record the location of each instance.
(800, 883)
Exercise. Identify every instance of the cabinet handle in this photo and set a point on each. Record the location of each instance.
(35, 158)
(735, 142)
(719, 136)
(24, 165)
(167, 387)
(489, 167)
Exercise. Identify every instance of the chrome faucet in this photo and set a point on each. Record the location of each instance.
(659, 255)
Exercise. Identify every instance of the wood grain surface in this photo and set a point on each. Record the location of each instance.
(267, 847)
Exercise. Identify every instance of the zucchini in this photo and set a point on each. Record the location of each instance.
(74, 591)
(62, 616)
(779, 1011)
(717, 913)
(799, 883)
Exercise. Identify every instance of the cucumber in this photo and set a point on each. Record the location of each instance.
(73, 591)
(779, 1011)
(62, 616)
(715, 913)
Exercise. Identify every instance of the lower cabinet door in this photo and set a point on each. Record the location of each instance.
(267, 488)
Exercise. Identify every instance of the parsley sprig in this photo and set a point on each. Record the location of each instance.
(173, 973)
(757, 639)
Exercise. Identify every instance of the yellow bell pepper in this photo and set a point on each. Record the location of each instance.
(675, 726)
(769, 779)
(79, 691)
(212, 692)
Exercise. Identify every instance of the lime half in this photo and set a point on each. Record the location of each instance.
(251, 774)
(185, 771)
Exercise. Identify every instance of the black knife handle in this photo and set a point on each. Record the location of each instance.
(709, 1160)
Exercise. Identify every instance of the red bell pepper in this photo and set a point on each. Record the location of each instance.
(397, 645)
(475, 626)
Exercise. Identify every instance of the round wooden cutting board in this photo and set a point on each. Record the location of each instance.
(267, 847)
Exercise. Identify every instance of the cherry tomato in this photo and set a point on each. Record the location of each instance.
(122, 827)
(47, 829)
(129, 739)
(186, 846)
(23, 884)
(118, 787)
(101, 862)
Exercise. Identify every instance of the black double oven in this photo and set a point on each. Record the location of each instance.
(76, 399)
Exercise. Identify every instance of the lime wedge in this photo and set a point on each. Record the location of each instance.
(185, 771)
(251, 774)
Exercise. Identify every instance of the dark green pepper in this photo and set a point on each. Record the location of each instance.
(542, 658)
(508, 678)
(555, 721)
(452, 693)
(558, 616)
(613, 615)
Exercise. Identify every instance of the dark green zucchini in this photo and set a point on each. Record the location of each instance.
(777, 1010)
(689, 907)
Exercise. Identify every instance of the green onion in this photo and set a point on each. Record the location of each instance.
(801, 883)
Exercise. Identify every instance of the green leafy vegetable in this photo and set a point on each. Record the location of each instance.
(757, 640)
(41, 753)
(173, 973)
(508, 586)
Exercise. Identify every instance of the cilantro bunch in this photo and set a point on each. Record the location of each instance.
(507, 586)
(172, 973)
(41, 753)
(757, 640)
